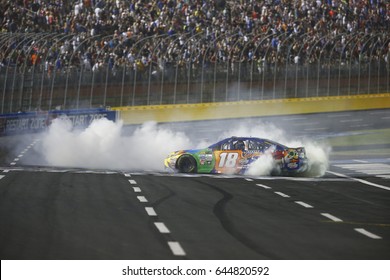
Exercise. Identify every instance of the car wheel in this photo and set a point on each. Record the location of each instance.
(186, 164)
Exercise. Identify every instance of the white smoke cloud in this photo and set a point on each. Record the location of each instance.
(102, 145)
(263, 166)
(318, 155)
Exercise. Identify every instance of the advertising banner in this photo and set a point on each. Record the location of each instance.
(31, 122)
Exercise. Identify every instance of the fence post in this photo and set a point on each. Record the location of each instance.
(241, 60)
(7, 41)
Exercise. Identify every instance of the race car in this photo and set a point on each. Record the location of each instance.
(236, 155)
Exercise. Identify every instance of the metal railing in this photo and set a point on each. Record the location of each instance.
(46, 71)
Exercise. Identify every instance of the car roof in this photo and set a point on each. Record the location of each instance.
(235, 138)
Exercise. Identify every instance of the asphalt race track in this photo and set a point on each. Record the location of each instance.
(51, 212)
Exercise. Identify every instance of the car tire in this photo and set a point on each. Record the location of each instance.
(186, 164)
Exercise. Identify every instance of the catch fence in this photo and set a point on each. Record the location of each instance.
(45, 71)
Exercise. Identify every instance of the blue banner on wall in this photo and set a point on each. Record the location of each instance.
(31, 122)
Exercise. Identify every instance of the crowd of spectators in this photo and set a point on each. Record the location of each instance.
(137, 33)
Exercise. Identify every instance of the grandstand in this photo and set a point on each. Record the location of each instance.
(91, 53)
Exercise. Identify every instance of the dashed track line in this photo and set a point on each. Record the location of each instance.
(315, 128)
(14, 162)
(162, 228)
(360, 161)
(282, 194)
(177, 250)
(367, 233)
(327, 215)
(150, 211)
(349, 121)
(263, 186)
(331, 217)
(174, 246)
(304, 204)
(142, 199)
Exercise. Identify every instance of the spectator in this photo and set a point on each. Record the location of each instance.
(225, 30)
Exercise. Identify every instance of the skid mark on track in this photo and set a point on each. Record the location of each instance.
(220, 212)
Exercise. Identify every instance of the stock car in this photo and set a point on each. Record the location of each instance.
(235, 155)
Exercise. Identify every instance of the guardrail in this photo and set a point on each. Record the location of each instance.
(47, 71)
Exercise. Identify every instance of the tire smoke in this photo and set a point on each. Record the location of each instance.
(103, 145)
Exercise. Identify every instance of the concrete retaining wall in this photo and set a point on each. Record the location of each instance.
(243, 109)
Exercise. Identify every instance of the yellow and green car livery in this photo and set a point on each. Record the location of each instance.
(235, 155)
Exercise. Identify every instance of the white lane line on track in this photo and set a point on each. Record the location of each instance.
(282, 194)
(2, 176)
(162, 228)
(331, 217)
(360, 180)
(13, 163)
(294, 118)
(378, 113)
(304, 204)
(307, 123)
(263, 186)
(315, 128)
(132, 182)
(177, 250)
(338, 115)
(367, 233)
(127, 175)
(5, 170)
(136, 189)
(360, 125)
(360, 161)
(142, 199)
(249, 179)
(354, 120)
(150, 211)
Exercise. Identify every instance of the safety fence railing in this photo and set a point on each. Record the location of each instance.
(45, 71)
